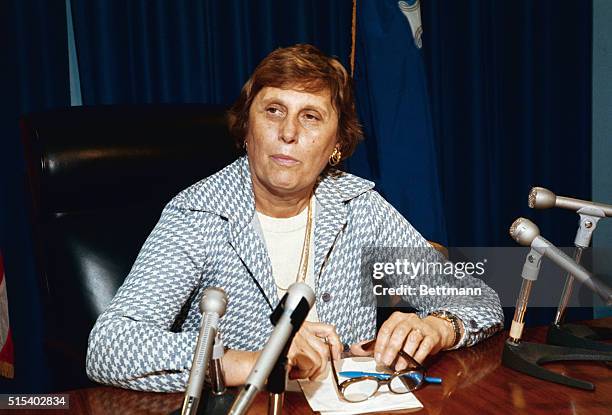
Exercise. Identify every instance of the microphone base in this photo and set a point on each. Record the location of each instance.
(212, 404)
(527, 358)
(578, 335)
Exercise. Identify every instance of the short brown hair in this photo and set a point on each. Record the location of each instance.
(307, 68)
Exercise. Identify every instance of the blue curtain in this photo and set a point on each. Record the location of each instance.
(159, 51)
(34, 77)
(510, 85)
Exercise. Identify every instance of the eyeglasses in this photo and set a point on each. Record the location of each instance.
(363, 385)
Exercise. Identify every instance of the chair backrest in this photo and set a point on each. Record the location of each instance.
(99, 178)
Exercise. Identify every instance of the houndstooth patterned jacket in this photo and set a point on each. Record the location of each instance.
(207, 236)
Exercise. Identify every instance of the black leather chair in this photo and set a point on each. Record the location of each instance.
(99, 178)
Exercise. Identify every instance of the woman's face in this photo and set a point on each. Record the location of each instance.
(291, 134)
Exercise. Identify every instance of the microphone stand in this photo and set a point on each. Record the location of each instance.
(277, 379)
(577, 335)
(215, 368)
(215, 400)
(277, 383)
(527, 357)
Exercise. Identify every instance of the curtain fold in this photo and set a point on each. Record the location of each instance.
(158, 51)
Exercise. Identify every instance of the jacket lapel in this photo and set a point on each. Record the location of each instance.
(252, 252)
(247, 242)
(229, 194)
(332, 192)
(331, 218)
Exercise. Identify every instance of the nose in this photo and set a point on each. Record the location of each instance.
(289, 130)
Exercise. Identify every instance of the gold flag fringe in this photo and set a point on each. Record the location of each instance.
(7, 370)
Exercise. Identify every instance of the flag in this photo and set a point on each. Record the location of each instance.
(399, 152)
(6, 341)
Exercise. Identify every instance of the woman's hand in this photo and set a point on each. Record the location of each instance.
(309, 354)
(417, 337)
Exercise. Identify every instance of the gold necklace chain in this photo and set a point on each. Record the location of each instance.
(303, 268)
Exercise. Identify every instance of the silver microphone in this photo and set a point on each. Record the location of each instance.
(590, 213)
(526, 233)
(294, 306)
(212, 306)
(541, 198)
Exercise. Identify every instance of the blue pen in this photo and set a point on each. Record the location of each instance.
(385, 376)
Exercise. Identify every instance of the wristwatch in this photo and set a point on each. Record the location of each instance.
(453, 319)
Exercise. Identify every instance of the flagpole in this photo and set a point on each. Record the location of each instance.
(353, 37)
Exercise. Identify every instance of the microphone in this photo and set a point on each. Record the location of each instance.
(289, 315)
(526, 233)
(212, 306)
(590, 214)
(541, 198)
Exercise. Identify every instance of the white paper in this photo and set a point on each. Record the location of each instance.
(322, 396)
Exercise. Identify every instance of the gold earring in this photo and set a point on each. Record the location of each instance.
(335, 157)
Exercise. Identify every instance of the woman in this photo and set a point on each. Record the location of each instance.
(281, 213)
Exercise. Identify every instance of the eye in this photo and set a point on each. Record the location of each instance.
(273, 111)
(311, 117)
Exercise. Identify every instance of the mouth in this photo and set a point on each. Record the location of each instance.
(284, 160)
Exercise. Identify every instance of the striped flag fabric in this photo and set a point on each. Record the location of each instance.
(6, 342)
(399, 151)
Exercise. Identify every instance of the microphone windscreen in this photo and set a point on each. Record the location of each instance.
(296, 292)
(214, 300)
(541, 198)
(524, 231)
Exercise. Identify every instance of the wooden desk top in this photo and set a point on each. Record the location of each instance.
(475, 382)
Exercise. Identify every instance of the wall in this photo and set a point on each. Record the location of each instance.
(602, 134)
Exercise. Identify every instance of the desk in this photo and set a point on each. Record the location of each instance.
(474, 383)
